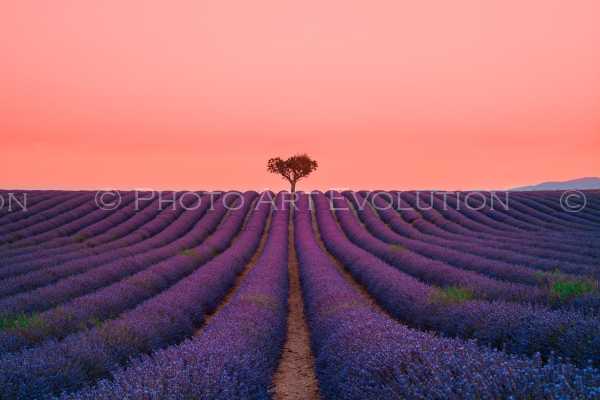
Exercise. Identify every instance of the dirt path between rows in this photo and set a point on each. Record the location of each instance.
(295, 378)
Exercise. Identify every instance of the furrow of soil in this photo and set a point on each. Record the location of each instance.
(295, 378)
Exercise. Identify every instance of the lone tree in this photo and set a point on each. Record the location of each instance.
(293, 169)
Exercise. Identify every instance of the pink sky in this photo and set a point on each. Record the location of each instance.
(384, 94)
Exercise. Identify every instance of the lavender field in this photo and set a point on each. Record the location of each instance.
(336, 295)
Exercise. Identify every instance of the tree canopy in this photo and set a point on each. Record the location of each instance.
(293, 169)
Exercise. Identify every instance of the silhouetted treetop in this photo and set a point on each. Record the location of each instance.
(293, 169)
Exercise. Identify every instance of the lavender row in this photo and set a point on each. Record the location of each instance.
(83, 358)
(480, 202)
(106, 230)
(453, 215)
(139, 227)
(430, 271)
(554, 241)
(12, 233)
(187, 231)
(476, 219)
(150, 235)
(567, 258)
(592, 196)
(554, 209)
(592, 201)
(559, 224)
(92, 224)
(499, 264)
(518, 328)
(224, 361)
(15, 220)
(557, 230)
(159, 232)
(588, 303)
(484, 202)
(114, 299)
(523, 212)
(479, 217)
(461, 218)
(362, 354)
(14, 202)
(81, 207)
(570, 238)
(450, 229)
(462, 224)
(117, 225)
(61, 228)
(431, 247)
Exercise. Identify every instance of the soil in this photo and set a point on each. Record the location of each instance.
(295, 377)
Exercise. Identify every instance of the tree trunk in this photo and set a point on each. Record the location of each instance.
(293, 184)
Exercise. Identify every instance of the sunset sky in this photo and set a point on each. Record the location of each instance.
(392, 94)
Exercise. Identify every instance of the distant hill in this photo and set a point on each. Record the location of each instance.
(581, 184)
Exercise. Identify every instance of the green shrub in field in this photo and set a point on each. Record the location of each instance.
(397, 247)
(21, 321)
(564, 286)
(567, 289)
(452, 294)
(188, 252)
(191, 253)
